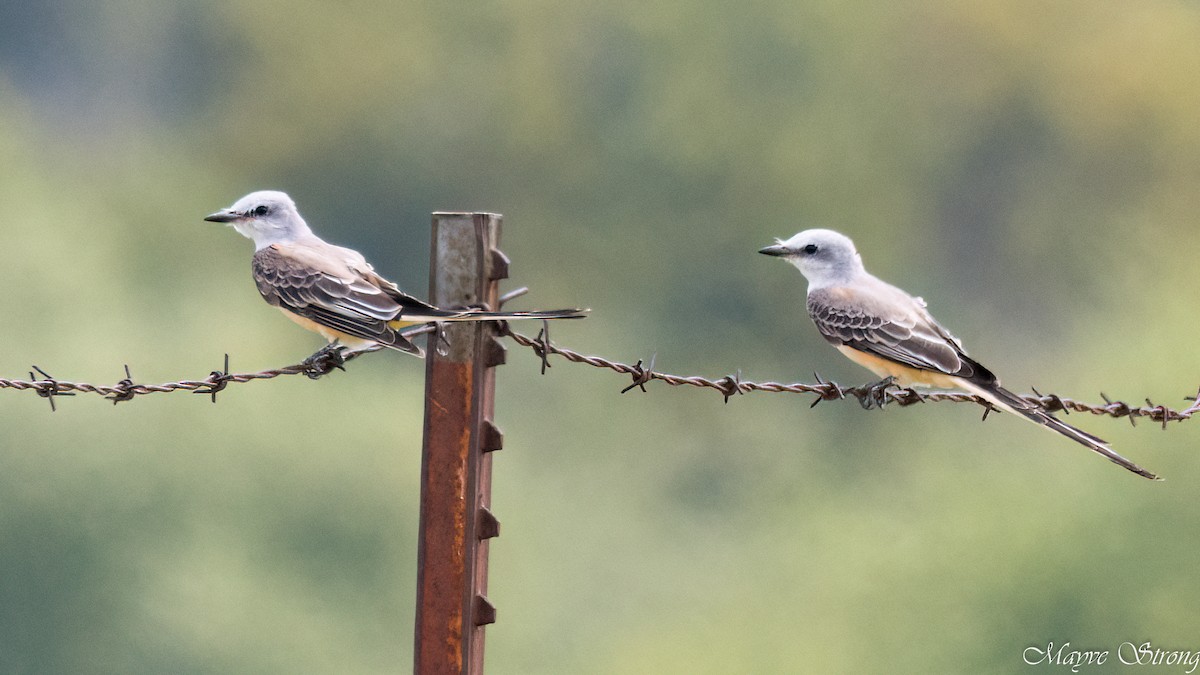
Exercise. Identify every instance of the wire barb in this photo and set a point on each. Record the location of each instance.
(731, 385)
(511, 295)
(988, 409)
(1051, 402)
(1159, 412)
(1194, 408)
(216, 381)
(641, 375)
(542, 346)
(48, 387)
(827, 390)
(124, 389)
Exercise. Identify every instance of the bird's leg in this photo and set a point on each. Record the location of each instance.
(876, 394)
(324, 360)
(908, 396)
(347, 353)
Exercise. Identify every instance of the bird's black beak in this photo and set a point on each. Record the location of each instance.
(776, 250)
(223, 216)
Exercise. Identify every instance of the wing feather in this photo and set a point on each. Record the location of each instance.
(889, 323)
(337, 299)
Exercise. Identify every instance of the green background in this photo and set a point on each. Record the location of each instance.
(1030, 168)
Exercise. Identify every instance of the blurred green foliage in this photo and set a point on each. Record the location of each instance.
(1031, 169)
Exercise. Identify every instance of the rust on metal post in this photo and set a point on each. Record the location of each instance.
(456, 461)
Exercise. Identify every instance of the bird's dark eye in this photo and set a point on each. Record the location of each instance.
(261, 210)
(810, 249)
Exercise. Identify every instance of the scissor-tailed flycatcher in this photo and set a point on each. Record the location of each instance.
(890, 333)
(332, 290)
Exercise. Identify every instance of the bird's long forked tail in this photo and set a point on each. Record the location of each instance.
(425, 315)
(1006, 400)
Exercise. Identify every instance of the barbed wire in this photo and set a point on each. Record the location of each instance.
(323, 362)
(877, 395)
(331, 358)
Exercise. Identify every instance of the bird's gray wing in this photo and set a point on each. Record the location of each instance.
(319, 286)
(891, 324)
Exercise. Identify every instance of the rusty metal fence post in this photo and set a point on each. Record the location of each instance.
(456, 466)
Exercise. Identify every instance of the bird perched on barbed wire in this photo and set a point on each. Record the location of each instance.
(889, 332)
(332, 290)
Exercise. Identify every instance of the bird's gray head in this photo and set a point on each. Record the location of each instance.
(825, 257)
(267, 217)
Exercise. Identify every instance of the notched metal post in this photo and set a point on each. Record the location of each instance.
(456, 464)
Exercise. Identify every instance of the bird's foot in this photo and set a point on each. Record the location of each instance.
(325, 360)
(876, 395)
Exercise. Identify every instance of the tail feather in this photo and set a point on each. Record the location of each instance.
(435, 314)
(1006, 400)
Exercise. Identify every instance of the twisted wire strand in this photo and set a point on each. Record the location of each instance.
(641, 374)
(319, 364)
(869, 396)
